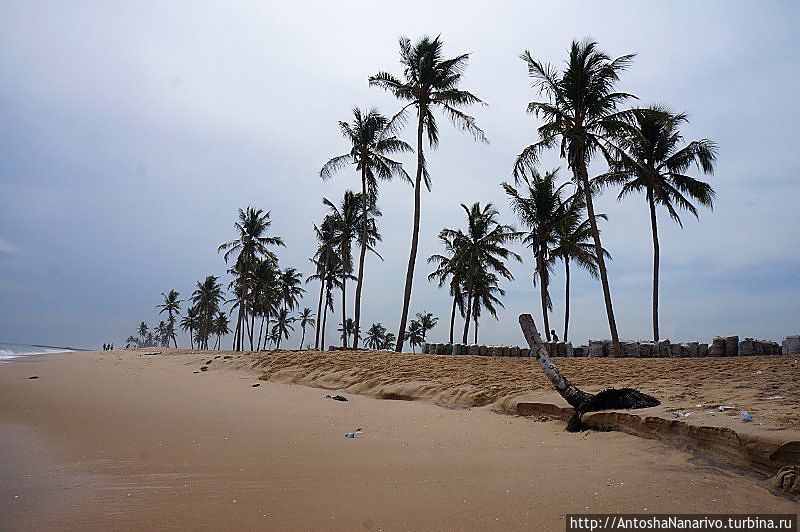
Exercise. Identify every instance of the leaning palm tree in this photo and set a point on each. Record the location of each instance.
(430, 82)
(581, 401)
(652, 160)
(581, 117)
(172, 306)
(376, 336)
(306, 319)
(480, 249)
(574, 245)
(371, 138)
(250, 243)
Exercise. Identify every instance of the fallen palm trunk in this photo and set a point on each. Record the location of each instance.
(581, 401)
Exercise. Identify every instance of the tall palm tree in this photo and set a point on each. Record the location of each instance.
(143, 330)
(345, 221)
(540, 209)
(189, 323)
(306, 319)
(480, 249)
(414, 334)
(652, 159)
(221, 327)
(289, 287)
(206, 300)
(283, 325)
(172, 306)
(581, 117)
(574, 244)
(485, 294)
(251, 242)
(430, 82)
(323, 260)
(371, 138)
(376, 335)
(447, 269)
(427, 321)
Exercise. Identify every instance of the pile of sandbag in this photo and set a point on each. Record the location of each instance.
(791, 345)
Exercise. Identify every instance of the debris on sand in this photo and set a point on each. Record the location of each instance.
(204, 368)
(33, 377)
(336, 398)
(256, 385)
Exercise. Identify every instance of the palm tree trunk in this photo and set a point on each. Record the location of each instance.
(324, 322)
(362, 256)
(261, 331)
(655, 262)
(412, 258)
(543, 295)
(319, 312)
(575, 397)
(583, 175)
(344, 314)
(303, 338)
(475, 317)
(452, 319)
(191, 337)
(467, 315)
(566, 300)
(252, 326)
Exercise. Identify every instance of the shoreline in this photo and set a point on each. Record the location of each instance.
(126, 440)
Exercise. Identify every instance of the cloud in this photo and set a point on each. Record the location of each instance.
(6, 247)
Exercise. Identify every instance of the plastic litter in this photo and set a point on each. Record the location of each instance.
(358, 433)
(746, 416)
(336, 398)
(683, 414)
(723, 408)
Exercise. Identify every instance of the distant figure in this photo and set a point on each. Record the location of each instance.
(554, 335)
(111, 347)
(105, 347)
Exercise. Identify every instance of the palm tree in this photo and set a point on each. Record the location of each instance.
(250, 243)
(371, 137)
(376, 336)
(447, 269)
(306, 319)
(414, 334)
(580, 118)
(143, 331)
(481, 249)
(221, 327)
(389, 340)
(172, 306)
(652, 160)
(485, 295)
(206, 300)
(540, 209)
(189, 323)
(427, 321)
(283, 325)
(430, 82)
(162, 334)
(345, 221)
(574, 244)
(289, 287)
(132, 340)
(347, 329)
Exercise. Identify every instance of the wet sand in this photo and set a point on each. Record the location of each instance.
(130, 441)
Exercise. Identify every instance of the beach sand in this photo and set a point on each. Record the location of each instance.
(126, 440)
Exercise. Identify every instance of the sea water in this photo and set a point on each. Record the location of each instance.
(11, 351)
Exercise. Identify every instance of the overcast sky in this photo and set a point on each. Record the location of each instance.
(131, 132)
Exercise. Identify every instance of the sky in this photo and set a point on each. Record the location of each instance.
(131, 132)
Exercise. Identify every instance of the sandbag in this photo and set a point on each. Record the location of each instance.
(692, 348)
(731, 346)
(717, 348)
(791, 345)
(702, 350)
(595, 348)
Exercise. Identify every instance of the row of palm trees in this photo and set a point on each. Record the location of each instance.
(582, 116)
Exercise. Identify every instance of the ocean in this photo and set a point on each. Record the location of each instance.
(10, 351)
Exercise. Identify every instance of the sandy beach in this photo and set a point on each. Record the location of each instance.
(130, 441)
